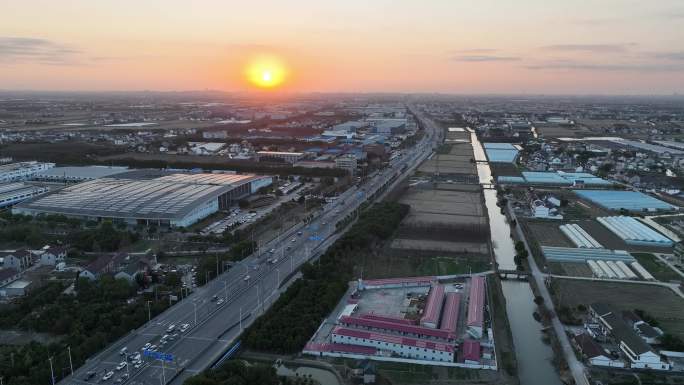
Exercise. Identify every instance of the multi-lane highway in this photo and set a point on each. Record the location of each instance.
(216, 313)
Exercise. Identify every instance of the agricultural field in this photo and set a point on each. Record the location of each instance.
(547, 233)
(392, 264)
(658, 269)
(660, 302)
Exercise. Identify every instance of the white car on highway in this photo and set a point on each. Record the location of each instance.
(121, 365)
(107, 376)
(184, 327)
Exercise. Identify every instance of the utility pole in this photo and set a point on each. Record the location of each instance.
(195, 305)
(225, 289)
(277, 280)
(71, 364)
(149, 311)
(217, 266)
(52, 372)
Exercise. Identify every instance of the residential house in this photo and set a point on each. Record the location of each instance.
(104, 264)
(639, 353)
(8, 275)
(593, 352)
(52, 255)
(19, 260)
(129, 267)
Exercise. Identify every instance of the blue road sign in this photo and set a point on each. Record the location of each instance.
(315, 238)
(360, 193)
(158, 355)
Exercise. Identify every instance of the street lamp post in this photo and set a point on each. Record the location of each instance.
(52, 372)
(225, 289)
(71, 364)
(277, 285)
(149, 311)
(195, 306)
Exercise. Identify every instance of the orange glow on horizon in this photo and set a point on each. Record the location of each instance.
(266, 71)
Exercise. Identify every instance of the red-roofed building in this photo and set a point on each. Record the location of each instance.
(433, 307)
(395, 282)
(471, 352)
(452, 305)
(413, 331)
(476, 307)
(385, 318)
(403, 346)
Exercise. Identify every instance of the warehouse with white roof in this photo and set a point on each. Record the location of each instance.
(175, 200)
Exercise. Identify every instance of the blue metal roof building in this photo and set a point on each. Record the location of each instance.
(555, 179)
(634, 232)
(500, 152)
(628, 200)
(571, 254)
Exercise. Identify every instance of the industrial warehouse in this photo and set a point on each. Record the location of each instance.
(172, 199)
(415, 320)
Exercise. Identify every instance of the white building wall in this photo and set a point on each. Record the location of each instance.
(200, 212)
(402, 350)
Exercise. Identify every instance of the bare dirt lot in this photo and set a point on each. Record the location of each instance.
(660, 302)
(458, 160)
(547, 233)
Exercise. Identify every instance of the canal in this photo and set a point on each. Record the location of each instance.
(533, 355)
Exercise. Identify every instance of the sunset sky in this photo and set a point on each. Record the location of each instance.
(456, 46)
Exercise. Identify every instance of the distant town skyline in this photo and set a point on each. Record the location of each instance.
(457, 46)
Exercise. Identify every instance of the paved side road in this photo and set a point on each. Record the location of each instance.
(576, 367)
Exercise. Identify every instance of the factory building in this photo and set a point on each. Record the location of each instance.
(22, 171)
(555, 178)
(452, 305)
(634, 232)
(627, 200)
(78, 174)
(13, 193)
(347, 162)
(174, 200)
(393, 327)
(475, 322)
(500, 152)
(403, 346)
(433, 307)
(289, 157)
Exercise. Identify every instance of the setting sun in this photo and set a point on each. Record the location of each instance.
(266, 72)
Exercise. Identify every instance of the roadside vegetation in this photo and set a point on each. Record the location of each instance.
(236, 372)
(87, 319)
(295, 316)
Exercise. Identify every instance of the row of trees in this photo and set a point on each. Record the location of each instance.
(294, 317)
(521, 255)
(236, 372)
(98, 313)
(102, 238)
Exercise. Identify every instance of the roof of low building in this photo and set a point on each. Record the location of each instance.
(7, 273)
(588, 346)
